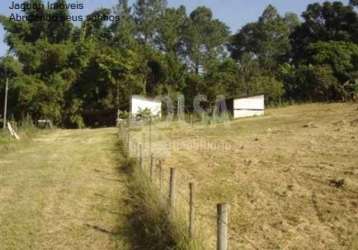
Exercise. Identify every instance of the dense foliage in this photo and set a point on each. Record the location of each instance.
(78, 75)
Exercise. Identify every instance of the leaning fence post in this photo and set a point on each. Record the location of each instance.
(222, 226)
(172, 188)
(191, 209)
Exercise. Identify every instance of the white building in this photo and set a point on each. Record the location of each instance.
(140, 103)
(248, 106)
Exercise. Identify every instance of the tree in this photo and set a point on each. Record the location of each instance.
(42, 48)
(10, 69)
(170, 30)
(60, 27)
(326, 22)
(147, 15)
(292, 21)
(222, 79)
(268, 85)
(269, 14)
(94, 26)
(37, 25)
(341, 56)
(353, 2)
(248, 68)
(204, 38)
(267, 39)
(77, 75)
(123, 29)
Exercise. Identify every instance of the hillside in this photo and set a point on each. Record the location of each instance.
(290, 177)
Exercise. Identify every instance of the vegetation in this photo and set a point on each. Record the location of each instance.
(78, 76)
(63, 190)
(26, 131)
(74, 188)
(289, 177)
(151, 225)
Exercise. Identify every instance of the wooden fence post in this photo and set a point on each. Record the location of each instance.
(191, 209)
(172, 188)
(222, 226)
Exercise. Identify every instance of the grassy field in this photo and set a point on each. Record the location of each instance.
(290, 177)
(63, 190)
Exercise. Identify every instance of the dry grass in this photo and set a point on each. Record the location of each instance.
(153, 225)
(8, 143)
(281, 175)
(63, 191)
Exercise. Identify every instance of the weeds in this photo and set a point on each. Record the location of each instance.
(151, 226)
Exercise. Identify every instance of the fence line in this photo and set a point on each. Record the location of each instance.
(155, 172)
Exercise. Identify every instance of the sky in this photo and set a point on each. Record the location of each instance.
(235, 13)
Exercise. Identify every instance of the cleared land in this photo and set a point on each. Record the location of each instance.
(291, 177)
(63, 190)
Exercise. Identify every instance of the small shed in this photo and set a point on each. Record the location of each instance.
(140, 103)
(247, 106)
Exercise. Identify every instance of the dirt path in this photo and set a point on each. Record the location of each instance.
(64, 192)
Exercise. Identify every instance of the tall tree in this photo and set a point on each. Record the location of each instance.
(325, 22)
(123, 29)
(37, 23)
(147, 16)
(170, 30)
(94, 26)
(60, 27)
(42, 47)
(267, 39)
(204, 38)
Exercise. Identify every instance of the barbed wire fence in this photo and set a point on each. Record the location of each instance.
(169, 182)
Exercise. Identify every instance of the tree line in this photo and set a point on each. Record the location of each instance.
(77, 75)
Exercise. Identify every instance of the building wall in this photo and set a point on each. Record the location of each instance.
(139, 103)
(250, 106)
